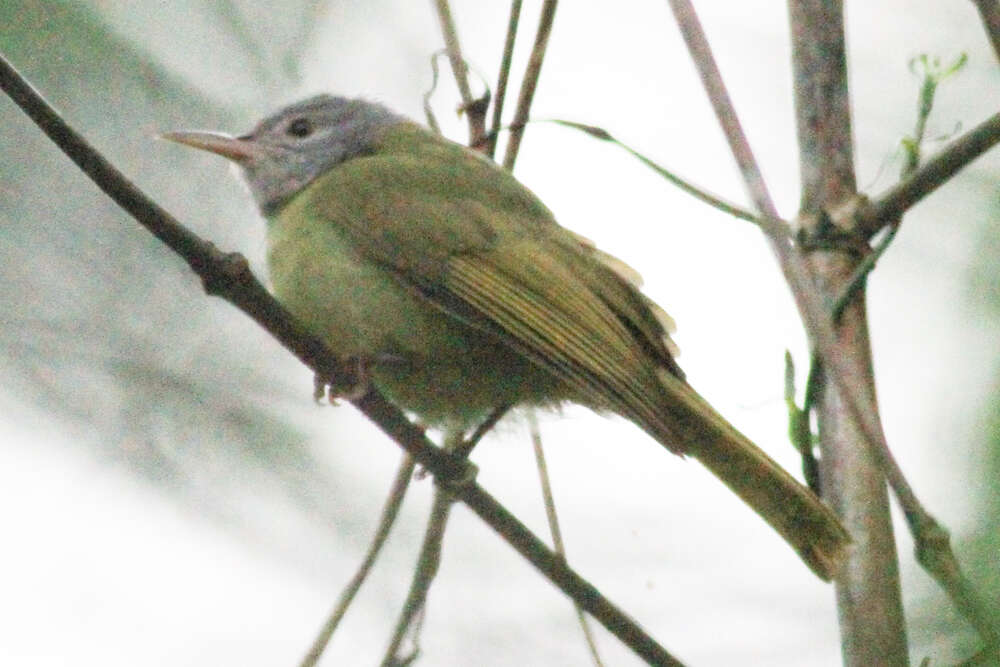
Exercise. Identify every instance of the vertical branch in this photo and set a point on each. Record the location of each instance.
(530, 82)
(868, 591)
(503, 76)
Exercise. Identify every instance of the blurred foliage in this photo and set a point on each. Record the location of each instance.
(983, 546)
(101, 328)
(934, 624)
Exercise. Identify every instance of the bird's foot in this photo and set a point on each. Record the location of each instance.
(352, 387)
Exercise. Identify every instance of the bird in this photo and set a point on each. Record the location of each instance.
(459, 294)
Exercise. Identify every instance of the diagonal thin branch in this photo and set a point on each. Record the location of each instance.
(713, 200)
(502, 77)
(228, 275)
(530, 82)
(428, 563)
(429, 560)
(454, 50)
(389, 513)
(477, 117)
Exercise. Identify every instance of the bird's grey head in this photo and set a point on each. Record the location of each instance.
(289, 149)
(295, 145)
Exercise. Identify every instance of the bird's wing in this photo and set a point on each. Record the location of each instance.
(469, 238)
(454, 229)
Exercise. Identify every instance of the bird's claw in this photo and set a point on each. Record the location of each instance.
(350, 389)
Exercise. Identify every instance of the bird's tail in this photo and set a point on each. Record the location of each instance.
(809, 526)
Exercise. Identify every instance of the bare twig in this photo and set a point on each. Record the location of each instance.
(389, 512)
(464, 448)
(553, 521)
(713, 200)
(428, 563)
(989, 12)
(454, 50)
(227, 275)
(501, 93)
(860, 276)
(429, 560)
(530, 82)
(476, 116)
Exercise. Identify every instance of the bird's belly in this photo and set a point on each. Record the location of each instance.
(428, 362)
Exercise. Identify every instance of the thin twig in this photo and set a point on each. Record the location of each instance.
(530, 82)
(464, 448)
(553, 520)
(454, 50)
(428, 563)
(389, 513)
(860, 277)
(700, 193)
(219, 270)
(501, 94)
(429, 560)
(476, 117)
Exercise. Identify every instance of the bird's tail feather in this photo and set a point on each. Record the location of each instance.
(809, 526)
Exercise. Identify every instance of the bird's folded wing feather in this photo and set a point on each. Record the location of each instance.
(501, 263)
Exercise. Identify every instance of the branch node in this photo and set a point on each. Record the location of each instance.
(823, 230)
(462, 476)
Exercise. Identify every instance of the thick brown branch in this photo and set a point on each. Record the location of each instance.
(226, 275)
(869, 599)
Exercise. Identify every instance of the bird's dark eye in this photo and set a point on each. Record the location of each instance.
(300, 127)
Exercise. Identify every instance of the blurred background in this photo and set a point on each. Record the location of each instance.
(171, 495)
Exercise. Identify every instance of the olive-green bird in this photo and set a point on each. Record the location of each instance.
(460, 293)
